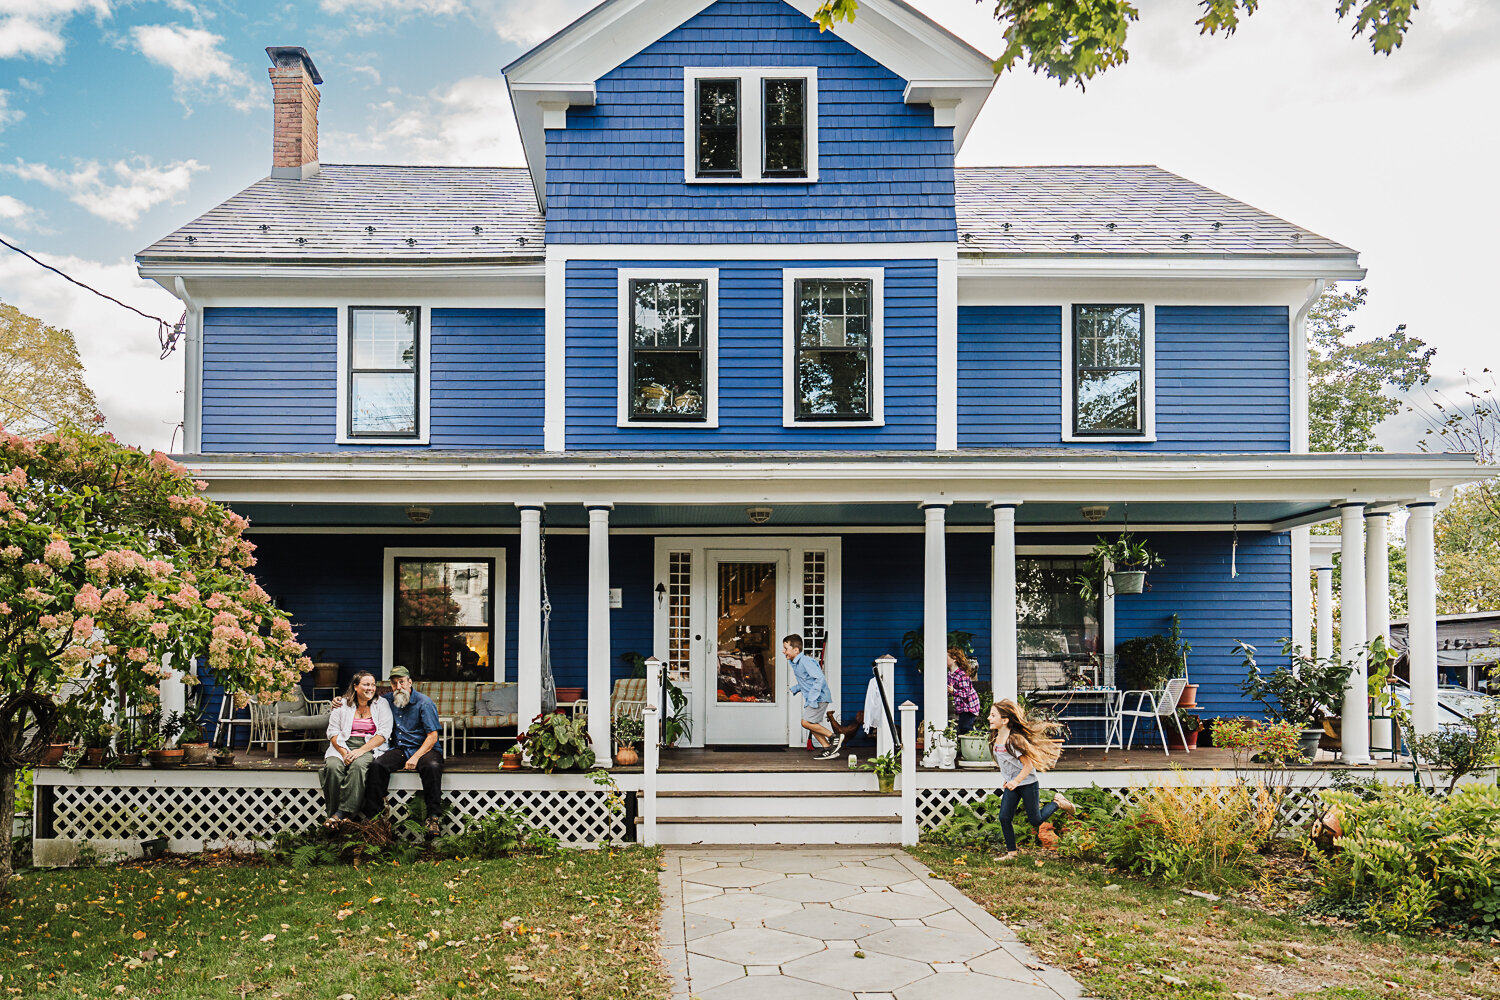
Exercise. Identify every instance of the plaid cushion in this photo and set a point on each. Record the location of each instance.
(450, 697)
(629, 689)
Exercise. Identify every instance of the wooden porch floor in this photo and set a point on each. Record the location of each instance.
(773, 761)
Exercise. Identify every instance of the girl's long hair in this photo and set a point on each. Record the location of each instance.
(351, 697)
(1033, 740)
(962, 659)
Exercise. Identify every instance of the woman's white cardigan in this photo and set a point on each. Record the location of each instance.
(341, 724)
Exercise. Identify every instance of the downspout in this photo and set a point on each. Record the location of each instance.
(1301, 410)
(192, 379)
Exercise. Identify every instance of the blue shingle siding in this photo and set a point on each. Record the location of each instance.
(616, 174)
(270, 379)
(1223, 379)
(750, 362)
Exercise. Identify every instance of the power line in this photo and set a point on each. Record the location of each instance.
(167, 332)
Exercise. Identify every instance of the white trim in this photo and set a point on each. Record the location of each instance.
(791, 252)
(668, 532)
(1300, 351)
(1340, 268)
(1148, 376)
(947, 356)
(388, 600)
(752, 121)
(424, 374)
(555, 358)
(624, 276)
(789, 278)
(255, 270)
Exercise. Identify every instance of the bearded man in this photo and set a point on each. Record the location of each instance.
(415, 746)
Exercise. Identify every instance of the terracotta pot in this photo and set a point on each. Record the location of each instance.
(166, 758)
(569, 694)
(196, 753)
(130, 760)
(53, 755)
(325, 674)
(223, 761)
(627, 757)
(1189, 697)
(1192, 739)
(94, 756)
(510, 762)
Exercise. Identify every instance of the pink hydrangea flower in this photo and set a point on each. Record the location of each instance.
(137, 654)
(88, 600)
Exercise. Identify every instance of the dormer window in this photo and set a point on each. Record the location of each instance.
(751, 125)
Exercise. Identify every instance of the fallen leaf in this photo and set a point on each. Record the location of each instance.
(139, 935)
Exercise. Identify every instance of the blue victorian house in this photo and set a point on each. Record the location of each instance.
(742, 353)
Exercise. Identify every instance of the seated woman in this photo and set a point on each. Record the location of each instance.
(358, 731)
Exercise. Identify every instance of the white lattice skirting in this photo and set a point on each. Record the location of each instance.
(197, 810)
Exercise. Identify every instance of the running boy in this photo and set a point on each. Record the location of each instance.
(813, 687)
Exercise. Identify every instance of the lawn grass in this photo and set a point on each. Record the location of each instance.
(1129, 940)
(580, 924)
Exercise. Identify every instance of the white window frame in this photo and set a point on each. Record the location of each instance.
(1148, 372)
(752, 117)
(710, 346)
(388, 601)
(789, 278)
(424, 373)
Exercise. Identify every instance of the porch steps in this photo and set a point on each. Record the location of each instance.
(808, 816)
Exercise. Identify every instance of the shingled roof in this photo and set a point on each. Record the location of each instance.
(368, 213)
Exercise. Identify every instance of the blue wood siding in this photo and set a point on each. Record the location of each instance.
(1223, 379)
(270, 380)
(615, 175)
(750, 362)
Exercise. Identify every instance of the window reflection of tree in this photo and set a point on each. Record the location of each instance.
(1055, 626)
(667, 336)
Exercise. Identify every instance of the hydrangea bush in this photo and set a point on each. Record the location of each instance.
(112, 563)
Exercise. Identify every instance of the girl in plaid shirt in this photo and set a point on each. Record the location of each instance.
(961, 672)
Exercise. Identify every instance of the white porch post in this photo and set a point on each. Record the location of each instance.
(173, 690)
(935, 618)
(1003, 650)
(598, 605)
(1356, 726)
(529, 619)
(909, 833)
(1325, 612)
(1302, 591)
(885, 737)
(1377, 575)
(1421, 603)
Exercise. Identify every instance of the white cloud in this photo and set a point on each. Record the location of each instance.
(469, 124)
(13, 210)
(198, 65)
(8, 114)
(33, 28)
(524, 22)
(139, 394)
(140, 185)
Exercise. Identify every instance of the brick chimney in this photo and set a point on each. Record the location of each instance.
(294, 136)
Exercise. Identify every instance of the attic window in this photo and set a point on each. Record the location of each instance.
(752, 125)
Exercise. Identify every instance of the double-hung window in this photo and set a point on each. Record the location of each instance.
(751, 125)
(834, 368)
(381, 352)
(444, 613)
(668, 334)
(1110, 354)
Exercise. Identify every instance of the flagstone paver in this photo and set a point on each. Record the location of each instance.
(789, 924)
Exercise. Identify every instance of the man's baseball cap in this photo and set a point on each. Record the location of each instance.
(399, 672)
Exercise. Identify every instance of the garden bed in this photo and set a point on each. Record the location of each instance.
(565, 927)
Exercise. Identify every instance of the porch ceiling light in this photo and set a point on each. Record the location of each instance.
(758, 515)
(419, 515)
(1094, 513)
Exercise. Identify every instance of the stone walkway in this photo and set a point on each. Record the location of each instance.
(765, 923)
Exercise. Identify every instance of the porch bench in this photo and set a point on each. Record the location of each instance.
(460, 701)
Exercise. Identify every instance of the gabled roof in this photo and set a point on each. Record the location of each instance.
(424, 215)
(939, 68)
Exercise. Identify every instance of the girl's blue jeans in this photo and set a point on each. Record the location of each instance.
(1030, 794)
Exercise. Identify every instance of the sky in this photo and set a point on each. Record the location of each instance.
(120, 120)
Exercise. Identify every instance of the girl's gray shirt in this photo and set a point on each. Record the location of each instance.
(1011, 766)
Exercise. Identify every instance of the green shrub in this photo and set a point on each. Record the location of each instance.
(978, 824)
(497, 835)
(1202, 835)
(1460, 749)
(555, 742)
(1409, 861)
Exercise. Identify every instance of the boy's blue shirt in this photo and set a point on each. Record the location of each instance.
(810, 681)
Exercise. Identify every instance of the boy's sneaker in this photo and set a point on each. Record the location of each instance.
(833, 748)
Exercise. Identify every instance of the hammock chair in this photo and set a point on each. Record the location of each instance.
(549, 682)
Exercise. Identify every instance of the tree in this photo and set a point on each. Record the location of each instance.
(1354, 385)
(1468, 554)
(1470, 425)
(111, 559)
(1073, 41)
(41, 377)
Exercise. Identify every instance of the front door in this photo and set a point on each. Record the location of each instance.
(747, 692)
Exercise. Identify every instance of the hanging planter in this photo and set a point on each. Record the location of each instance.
(1119, 566)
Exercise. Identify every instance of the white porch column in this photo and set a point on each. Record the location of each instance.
(885, 736)
(173, 690)
(529, 619)
(1356, 726)
(1003, 680)
(598, 609)
(1325, 612)
(935, 618)
(1421, 603)
(909, 832)
(1377, 575)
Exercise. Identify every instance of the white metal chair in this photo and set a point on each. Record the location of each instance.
(1159, 705)
(229, 717)
(297, 720)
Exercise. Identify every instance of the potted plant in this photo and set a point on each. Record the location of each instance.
(913, 645)
(1124, 561)
(62, 739)
(96, 734)
(223, 756)
(1147, 662)
(1303, 692)
(160, 740)
(510, 760)
(886, 767)
(677, 724)
(556, 743)
(1192, 725)
(629, 731)
(943, 744)
(974, 746)
(127, 744)
(194, 740)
